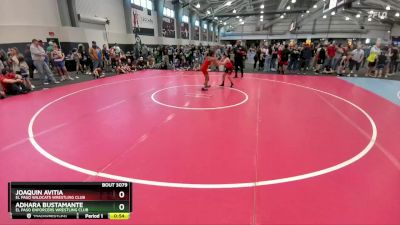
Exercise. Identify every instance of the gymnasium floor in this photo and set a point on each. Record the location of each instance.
(273, 150)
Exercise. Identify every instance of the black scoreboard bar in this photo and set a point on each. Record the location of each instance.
(70, 200)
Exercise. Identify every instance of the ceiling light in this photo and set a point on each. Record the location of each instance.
(288, 7)
(324, 17)
(371, 12)
(369, 19)
(302, 15)
(333, 13)
(293, 1)
(224, 23)
(308, 11)
(262, 6)
(315, 6)
(208, 12)
(234, 11)
(215, 18)
(237, 17)
(242, 22)
(358, 15)
(347, 18)
(229, 3)
(282, 16)
(198, 5)
(388, 7)
(397, 14)
(261, 16)
(261, 20)
(262, 12)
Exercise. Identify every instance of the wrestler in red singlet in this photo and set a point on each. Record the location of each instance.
(204, 68)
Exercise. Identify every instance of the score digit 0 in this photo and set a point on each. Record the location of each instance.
(121, 207)
(121, 194)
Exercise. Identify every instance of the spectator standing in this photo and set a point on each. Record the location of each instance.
(77, 58)
(381, 64)
(38, 56)
(283, 58)
(338, 56)
(94, 55)
(59, 63)
(257, 56)
(28, 60)
(320, 58)
(331, 50)
(274, 57)
(394, 60)
(357, 56)
(372, 59)
(267, 63)
(307, 55)
(294, 59)
(106, 58)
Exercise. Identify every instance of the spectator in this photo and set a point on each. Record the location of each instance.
(283, 58)
(381, 64)
(38, 57)
(357, 56)
(98, 73)
(94, 55)
(372, 59)
(77, 58)
(59, 63)
(105, 54)
(14, 60)
(24, 70)
(267, 62)
(12, 84)
(28, 60)
(320, 57)
(394, 60)
(1, 65)
(141, 64)
(338, 56)
(294, 59)
(331, 50)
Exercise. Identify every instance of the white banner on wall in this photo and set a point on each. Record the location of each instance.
(142, 22)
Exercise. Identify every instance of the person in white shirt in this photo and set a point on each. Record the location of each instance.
(357, 56)
(38, 57)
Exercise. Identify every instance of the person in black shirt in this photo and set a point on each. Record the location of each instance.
(239, 52)
(283, 59)
(321, 57)
(274, 58)
(294, 59)
(257, 58)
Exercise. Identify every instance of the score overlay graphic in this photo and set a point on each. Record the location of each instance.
(70, 200)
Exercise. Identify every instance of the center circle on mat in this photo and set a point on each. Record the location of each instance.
(333, 168)
(194, 92)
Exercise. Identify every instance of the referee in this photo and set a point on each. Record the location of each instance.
(239, 54)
